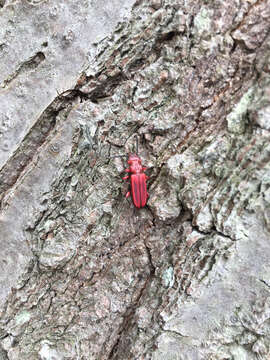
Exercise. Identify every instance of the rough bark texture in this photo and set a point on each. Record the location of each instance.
(84, 275)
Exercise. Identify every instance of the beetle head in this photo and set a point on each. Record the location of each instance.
(133, 157)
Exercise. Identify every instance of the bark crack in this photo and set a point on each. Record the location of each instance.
(28, 65)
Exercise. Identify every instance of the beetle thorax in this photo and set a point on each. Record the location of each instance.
(135, 164)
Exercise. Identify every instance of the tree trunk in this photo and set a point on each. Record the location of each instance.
(85, 274)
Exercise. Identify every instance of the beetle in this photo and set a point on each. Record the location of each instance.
(137, 178)
(137, 181)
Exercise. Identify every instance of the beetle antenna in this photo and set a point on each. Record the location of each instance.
(137, 144)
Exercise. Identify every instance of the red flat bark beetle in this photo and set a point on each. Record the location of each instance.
(138, 179)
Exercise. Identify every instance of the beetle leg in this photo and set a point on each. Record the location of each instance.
(127, 194)
(125, 177)
(147, 177)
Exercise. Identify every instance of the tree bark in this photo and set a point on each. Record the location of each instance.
(86, 275)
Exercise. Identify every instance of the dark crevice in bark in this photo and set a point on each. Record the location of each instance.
(129, 317)
(152, 267)
(107, 88)
(213, 229)
(36, 137)
(25, 67)
(126, 324)
(265, 283)
(167, 36)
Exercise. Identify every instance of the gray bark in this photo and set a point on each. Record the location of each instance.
(85, 275)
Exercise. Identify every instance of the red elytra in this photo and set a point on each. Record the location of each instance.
(137, 181)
